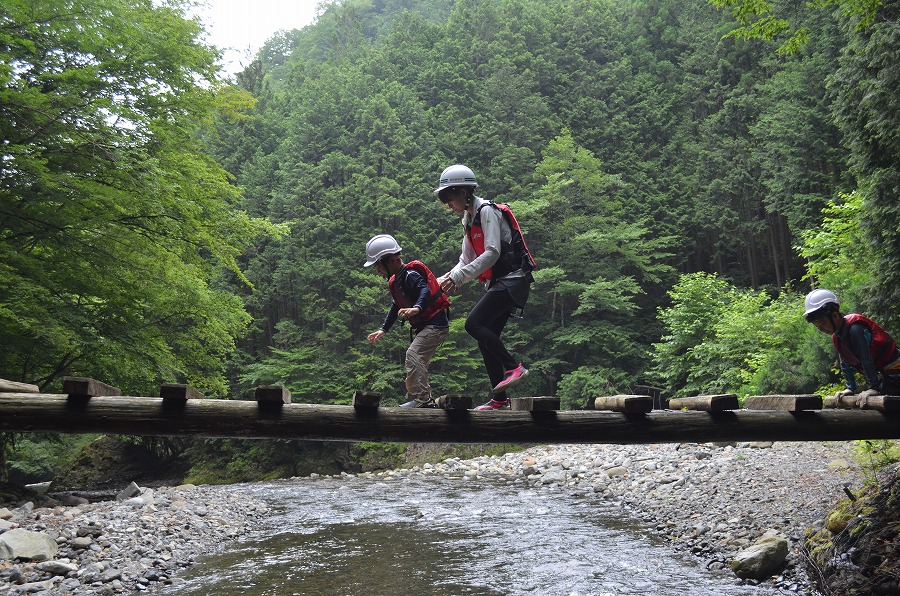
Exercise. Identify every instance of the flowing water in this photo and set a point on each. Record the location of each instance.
(439, 536)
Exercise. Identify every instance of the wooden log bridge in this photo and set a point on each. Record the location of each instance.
(271, 418)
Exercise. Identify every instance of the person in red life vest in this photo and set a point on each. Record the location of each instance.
(861, 344)
(494, 252)
(417, 298)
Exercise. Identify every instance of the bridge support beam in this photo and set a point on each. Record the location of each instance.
(31, 412)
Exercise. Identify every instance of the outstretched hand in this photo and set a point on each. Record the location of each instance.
(447, 284)
(375, 336)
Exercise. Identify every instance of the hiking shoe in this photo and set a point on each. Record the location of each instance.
(494, 404)
(512, 378)
(415, 403)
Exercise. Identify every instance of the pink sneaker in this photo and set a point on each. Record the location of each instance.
(512, 378)
(494, 405)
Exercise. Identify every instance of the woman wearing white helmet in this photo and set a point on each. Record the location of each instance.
(862, 345)
(493, 251)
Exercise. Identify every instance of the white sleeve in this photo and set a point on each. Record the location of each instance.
(470, 265)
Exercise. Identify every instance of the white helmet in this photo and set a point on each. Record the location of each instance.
(380, 246)
(456, 175)
(818, 299)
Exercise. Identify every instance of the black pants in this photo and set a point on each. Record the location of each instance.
(486, 322)
(890, 384)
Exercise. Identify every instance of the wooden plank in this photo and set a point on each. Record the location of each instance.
(144, 416)
(15, 387)
(273, 394)
(366, 399)
(785, 403)
(179, 392)
(454, 402)
(534, 404)
(87, 387)
(627, 404)
(881, 403)
(706, 403)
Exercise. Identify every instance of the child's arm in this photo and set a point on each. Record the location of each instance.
(386, 326)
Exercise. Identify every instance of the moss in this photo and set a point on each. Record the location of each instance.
(870, 541)
(819, 544)
(837, 521)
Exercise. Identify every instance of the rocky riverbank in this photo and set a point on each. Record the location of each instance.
(121, 546)
(712, 501)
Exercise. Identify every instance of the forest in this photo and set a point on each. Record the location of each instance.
(684, 172)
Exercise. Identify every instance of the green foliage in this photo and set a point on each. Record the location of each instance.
(877, 454)
(228, 461)
(722, 339)
(39, 458)
(578, 389)
(114, 222)
(836, 252)
(698, 301)
(758, 19)
(869, 118)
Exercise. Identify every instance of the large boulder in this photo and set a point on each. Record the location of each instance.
(27, 545)
(761, 559)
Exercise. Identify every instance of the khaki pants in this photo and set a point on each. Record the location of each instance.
(418, 357)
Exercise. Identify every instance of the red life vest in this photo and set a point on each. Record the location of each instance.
(513, 256)
(436, 302)
(883, 346)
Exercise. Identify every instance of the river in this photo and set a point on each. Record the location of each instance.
(441, 536)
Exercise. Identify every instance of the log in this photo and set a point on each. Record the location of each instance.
(706, 403)
(534, 404)
(786, 403)
(15, 387)
(179, 392)
(627, 404)
(454, 402)
(272, 394)
(149, 416)
(366, 399)
(882, 403)
(83, 387)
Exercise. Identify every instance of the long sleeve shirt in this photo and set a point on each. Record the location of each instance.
(496, 232)
(415, 288)
(857, 338)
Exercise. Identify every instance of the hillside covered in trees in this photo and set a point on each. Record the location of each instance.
(680, 187)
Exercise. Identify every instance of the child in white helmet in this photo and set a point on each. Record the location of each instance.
(418, 298)
(862, 345)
